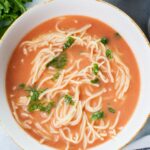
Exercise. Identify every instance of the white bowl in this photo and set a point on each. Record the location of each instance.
(104, 12)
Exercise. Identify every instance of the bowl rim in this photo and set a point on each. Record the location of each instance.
(119, 11)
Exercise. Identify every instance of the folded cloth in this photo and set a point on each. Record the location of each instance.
(141, 144)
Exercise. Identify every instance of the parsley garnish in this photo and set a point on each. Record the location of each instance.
(10, 10)
(95, 69)
(68, 99)
(22, 86)
(104, 40)
(95, 81)
(39, 106)
(35, 103)
(97, 115)
(56, 76)
(68, 43)
(110, 109)
(109, 53)
(58, 62)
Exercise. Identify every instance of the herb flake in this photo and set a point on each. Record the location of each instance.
(97, 115)
(95, 81)
(109, 54)
(68, 99)
(68, 43)
(104, 40)
(95, 69)
(56, 76)
(39, 106)
(10, 10)
(110, 109)
(58, 62)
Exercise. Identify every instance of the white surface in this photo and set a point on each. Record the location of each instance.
(6, 142)
(118, 21)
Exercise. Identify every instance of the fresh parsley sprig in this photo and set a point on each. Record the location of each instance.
(10, 10)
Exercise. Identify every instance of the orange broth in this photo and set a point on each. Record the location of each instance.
(19, 72)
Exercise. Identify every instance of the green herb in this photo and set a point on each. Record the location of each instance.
(95, 69)
(39, 106)
(97, 115)
(58, 62)
(47, 108)
(110, 109)
(10, 10)
(22, 86)
(109, 53)
(56, 76)
(104, 40)
(35, 103)
(33, 92)
(117, 34)
(34, 95)
(68, 43)
(33, 106)
(68, 99)
(95, 81)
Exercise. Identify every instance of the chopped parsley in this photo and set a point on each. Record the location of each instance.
(104, 40)
(58, 62)
(39, 106)
(95, 81)
(22, 86)
(68, 43)
(110, 109)
(97, 115)
(33, 92)
(35, 103)
(68, 99)
(56, 76)
(109, 54)
(95, 69)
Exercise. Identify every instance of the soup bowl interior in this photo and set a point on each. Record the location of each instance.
(102, 11)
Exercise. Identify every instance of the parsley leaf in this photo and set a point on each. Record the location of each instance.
(95, 69)
(35, 103)
(33, 106)
(104, 40)
(110, 109)
(58, 62)
(10, 10)
(68, 43)
(48, 107)
(95, 81)
(22, 86)
(68, 99)
(109, 53)
(56, 76)
(97, 115)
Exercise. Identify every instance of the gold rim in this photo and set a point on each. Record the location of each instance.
(142, 33)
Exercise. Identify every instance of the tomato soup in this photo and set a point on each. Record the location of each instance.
(72, 83)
